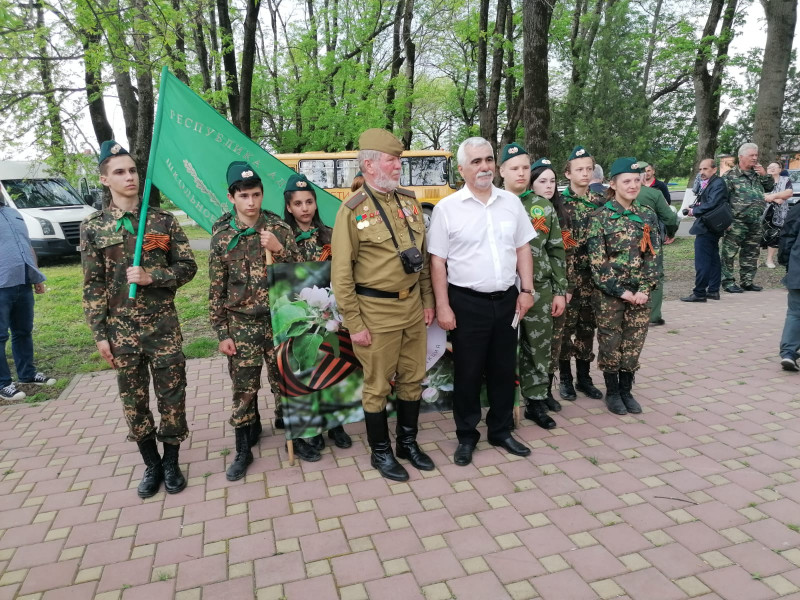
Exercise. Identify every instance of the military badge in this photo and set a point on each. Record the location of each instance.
(246, 174)
(537, 211)
(513, 150)
(301, 184)
(580, 152)
(115, 149)
(635, 166)
(546, 162)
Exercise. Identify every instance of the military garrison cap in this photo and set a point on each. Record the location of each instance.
(579, 152)
(627, 164)
(542, 162)
(298, 183)
(380, 140)
(643, 165)
(511, 150)
(239, 170)
(110, 148)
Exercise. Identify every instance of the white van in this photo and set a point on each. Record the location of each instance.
(51, 208)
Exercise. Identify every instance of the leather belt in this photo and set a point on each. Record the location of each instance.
(485, 295)
(373, 293)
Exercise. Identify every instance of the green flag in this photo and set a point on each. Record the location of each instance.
(192, 148)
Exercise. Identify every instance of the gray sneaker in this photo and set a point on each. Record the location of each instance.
(790, 364)
(40, 379)
(10, 392)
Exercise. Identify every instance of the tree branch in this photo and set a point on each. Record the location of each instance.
(678, 82)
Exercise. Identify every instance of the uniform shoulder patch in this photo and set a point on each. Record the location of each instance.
(351, 203)
(95, 215)
(405, 192)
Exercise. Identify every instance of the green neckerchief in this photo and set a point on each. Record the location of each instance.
(569, 194)
(627, 213)
(525, 194)
(241, 233)
(125, 221)
(305, 235)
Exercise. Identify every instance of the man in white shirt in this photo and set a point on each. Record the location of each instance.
(478, 241)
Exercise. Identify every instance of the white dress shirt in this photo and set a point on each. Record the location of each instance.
(479, 241)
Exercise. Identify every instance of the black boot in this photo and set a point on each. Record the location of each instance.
(340, 437)
(551, 403)
(585, 383)
(407, 427)
(174, 480)
(317, 442)
(255, 426)
(154, 473)
(613, 399)
(565, 388)
(244, 456)
(304, 450)
(625, 386)
(378, 438)
(536, 411)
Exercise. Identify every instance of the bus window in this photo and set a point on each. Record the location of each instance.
(346, 169)
(319, 172)
(424, 170)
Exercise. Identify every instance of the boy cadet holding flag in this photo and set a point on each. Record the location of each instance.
(134, 335)
(238, 299)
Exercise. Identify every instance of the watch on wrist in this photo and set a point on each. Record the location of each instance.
(524, 291)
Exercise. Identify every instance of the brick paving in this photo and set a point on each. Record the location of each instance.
(698, 497)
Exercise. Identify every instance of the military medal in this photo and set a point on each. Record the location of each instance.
(416, 212)
(400, 214)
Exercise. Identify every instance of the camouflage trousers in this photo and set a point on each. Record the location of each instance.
(147, 345)
(742, 237)
(577, 339)
(621, 331)
(539, 344)
(253, 339)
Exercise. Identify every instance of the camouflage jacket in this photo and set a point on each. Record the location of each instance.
(311, 248)
(615, 249)
(580, 209)
(746, 189)
(238, 277)
(549, 261)
(107, 249)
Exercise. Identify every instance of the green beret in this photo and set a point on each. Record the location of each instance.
(627, 164)
(239, 170)
(110, 148)
(579, 152)
(542, 162)
(380, 140)
(298, 183)
(510, 151)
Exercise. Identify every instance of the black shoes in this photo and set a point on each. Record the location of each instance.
(584, 380)
(238, 468)
(625, 387)
(693, 298)
(787, 364)
(752, 288)
(154, 473)
(340, 437)
(565, 388)
(733, 289)
(305, 450)
(536, 411)
(317, 442)
(712, 295)
(657, 322)
(174, 481)
(613, 399)
(463, 455)
(512, 446)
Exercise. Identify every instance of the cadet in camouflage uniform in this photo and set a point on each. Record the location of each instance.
(549, 278)
(238, 298)
(578, 337)
(134, 335)
(623, 244)
(385, 307)
(746, 184)
(313, 239)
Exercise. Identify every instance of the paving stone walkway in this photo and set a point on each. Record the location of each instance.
(698, 497)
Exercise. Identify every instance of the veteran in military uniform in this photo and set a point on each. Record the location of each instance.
(549, 279)
(578, 337)
(238, 300)
(623, 245)
(142, 334)
(747, 183)
(381, 279)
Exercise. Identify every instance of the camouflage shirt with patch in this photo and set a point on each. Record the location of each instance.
(746, 189)
(549, 261)
(579, 209)
(311, 248)
(107, 249)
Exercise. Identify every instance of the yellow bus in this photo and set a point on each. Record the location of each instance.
(428, 172)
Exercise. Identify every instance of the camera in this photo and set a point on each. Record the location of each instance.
(685, 211)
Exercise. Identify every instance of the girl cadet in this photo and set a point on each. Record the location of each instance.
(622, 245)
(313, 238)
(550, 281)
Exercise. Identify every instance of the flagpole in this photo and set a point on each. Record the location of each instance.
(137, 255)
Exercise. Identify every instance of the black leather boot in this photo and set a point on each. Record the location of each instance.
(536, 411)
(613, 399)
(407, 428)
(154, 473)
(565, 388)
(382, 457)
(585, 383)
(625, 387)
(550, 402)
(238, 468)
(174, 480)
(255, 426)
(340, 437)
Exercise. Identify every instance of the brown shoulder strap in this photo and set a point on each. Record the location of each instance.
(356, 200)
(405, 192)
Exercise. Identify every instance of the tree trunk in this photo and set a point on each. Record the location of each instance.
(536, 16)
(489, 126)
(397, 61)
(651, 45)
(483, 34)
(411, 59)
(781, 19)
(229, 59)
(179, 57)
(212, 32)
(248, 64)
(93, 77)
(146, 107)
(52, 108)
(201, 50)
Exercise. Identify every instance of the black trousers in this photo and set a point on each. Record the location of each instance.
(707, 265)
(484, 350)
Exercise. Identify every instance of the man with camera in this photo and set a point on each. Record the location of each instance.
(713, 192)
(382, 283)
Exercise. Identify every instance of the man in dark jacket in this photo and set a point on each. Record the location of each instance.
(707, 264)
(789, 255)
(651, 181)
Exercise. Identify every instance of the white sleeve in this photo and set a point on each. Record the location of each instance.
(438, 237)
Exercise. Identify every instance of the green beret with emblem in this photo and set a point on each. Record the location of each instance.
(579, 152)
(298, 183)
(542, 162)
(627, 164)
(512, 150)
(380, 140)
(240, 171)
(110, 148)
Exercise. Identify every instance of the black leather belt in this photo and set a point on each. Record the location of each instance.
(373, 293)
(485, 295)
